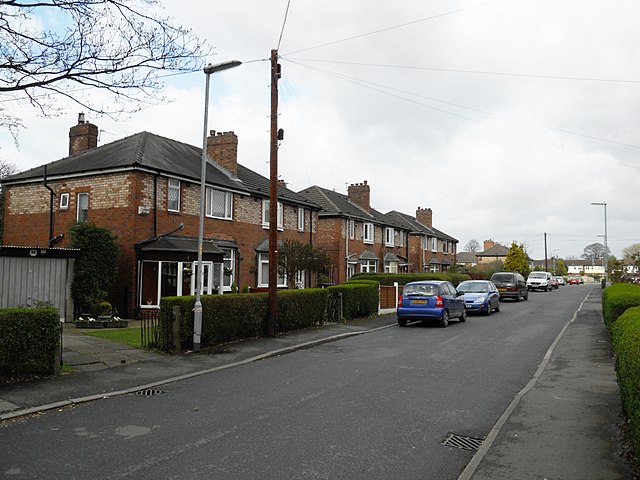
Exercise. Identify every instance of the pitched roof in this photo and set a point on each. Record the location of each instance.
(336, 204)
(416, 227)
(496, 251)
(466, 257)
(149, 152)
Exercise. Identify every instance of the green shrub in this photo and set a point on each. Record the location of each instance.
(616, 299)
(358, 299)
(301, 308)
(30, 341)
(625, 337)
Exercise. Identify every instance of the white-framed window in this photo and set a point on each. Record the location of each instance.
(300, 279)
(401, 238)
(434, 268)
(368, 266)
(300, 219)
(82, 210)
(64, 201)
(388, 236)
(352, 229)
(434, 244)
(351, 270)
(226, 270)
(367, 234)
(265, 215)
(173, 195)
(425, 242)
(390, 267)
(445, 246)
(219, 204)
(263, 272)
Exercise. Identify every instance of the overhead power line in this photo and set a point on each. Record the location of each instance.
(284, 22)
(476, 72)
(401, 25)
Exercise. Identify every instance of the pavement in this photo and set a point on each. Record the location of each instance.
(564, 424)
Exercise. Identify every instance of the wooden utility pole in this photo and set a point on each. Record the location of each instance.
(273, 200)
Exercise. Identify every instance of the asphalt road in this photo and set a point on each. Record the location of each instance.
(376, 406)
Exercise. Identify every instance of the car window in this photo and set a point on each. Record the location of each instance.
(473, 287)
(426, 290)
(502, 277)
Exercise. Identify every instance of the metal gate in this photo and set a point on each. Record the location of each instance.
(152, 334)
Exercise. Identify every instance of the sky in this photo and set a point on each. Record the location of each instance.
(507, 118)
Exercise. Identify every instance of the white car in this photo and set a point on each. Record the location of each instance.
(540, 281)
(560, 280)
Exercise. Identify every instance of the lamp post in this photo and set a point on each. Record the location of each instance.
(555, 257)
(606, 250)
(197, 310)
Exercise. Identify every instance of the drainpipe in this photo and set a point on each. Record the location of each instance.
(347, 224)
(52, 195)
(155, 206)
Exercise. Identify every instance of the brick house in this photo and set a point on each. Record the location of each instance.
(430, 250)
(146, 189)
(493, 252)
(357, 237)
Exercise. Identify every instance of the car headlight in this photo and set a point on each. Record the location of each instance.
(479, 300)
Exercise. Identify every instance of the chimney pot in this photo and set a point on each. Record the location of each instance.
(360, 194)
(83, 136)
(222, 148)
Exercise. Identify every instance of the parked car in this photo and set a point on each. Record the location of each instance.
(480, 296)
(554, 282)
(430, 300)
(540, 281)
(573, 281)
(511, 285)
(560, 280)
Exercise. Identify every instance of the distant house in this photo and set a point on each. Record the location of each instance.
(146, 189)
(492, 252)
(585, 267)
(467, 259)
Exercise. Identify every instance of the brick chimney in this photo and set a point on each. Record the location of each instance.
(82, 137)
(223, 150)
(359, 194)
(488, 244)
(425, 216)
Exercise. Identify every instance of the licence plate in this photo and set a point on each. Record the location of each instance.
(421, 302)
(502, 289)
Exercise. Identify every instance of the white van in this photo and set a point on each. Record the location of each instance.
(539, 281)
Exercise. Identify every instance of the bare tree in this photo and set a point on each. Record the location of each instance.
(595, 251)
(472, 246)
(116, 46)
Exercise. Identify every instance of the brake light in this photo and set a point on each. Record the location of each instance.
(439, 302)
(400, 300)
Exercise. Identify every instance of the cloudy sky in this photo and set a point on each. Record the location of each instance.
(507, 118)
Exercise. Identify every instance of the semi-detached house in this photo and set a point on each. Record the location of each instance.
(146, 189)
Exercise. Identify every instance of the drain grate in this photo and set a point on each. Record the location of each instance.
(460, 441)
(149, 392)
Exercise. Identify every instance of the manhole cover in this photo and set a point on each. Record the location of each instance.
(149, 392)
(460, 441)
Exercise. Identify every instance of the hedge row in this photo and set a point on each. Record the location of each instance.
(616, 299)
(625, 337)
(29, 342)
(360, 298)
(389, 279)
(231, 317)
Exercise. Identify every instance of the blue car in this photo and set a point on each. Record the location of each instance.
(480, 296)
(430, 300)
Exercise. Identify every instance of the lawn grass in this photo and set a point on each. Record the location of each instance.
(128, 336)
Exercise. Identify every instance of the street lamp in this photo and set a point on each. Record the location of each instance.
(197, 310)
(606, 250)
(555, 257)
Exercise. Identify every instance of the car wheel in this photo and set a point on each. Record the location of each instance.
(498, 307)
(526, 297)
(402, 322)
(444, 321)
(488, 312)
(518, 297)
(463, 317)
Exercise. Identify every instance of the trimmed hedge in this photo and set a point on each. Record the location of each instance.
(358, 299)
(30, 341)
(616, 299)
(404, 278)
(231, 317)
(626, 344)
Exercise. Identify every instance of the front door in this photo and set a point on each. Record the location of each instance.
(206, 278)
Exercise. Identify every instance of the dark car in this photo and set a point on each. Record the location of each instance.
(430, 300)
(511, 285)
(480, 296)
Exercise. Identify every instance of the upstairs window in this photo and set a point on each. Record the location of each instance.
(64, 201)
(173, 195)
(434, 244)
(301, 219)
(367, 235)
(352, 229)
(266, 215)
(219, 204)
(388, 237)
(82, 213)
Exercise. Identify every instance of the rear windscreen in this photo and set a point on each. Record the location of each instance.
(502, 278)
(420, 290)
